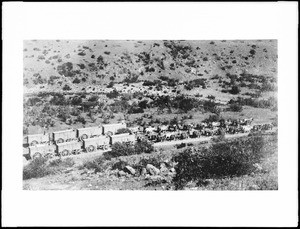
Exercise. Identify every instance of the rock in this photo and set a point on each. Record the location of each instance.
(121, 173)
(129, 170)
(152, 169)
(143, 172)
(83, 172)
(172, 170)
(163, 169)
(253, 187)
(258, 167)
(68, 170)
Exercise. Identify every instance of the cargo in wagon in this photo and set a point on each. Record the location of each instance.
(64, 136)
(47, 151)
(37, 139)
(68, 148)
(112, 128)
(130, 138)
(89, 132)
(92, 144)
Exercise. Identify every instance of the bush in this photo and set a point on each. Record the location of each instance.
(121, 149)
(113, 94)
(235, 90)
(76, 80)
(76, 101)
(111, 84)
(96, 165)
(39, 167)
(67, 87)
(36, 168)
(221, 160)
(235, 107)
(143, 146)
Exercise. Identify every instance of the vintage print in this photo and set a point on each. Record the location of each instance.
(150, 115)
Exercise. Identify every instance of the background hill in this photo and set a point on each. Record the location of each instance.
(50, 65)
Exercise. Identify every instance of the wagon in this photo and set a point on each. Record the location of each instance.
(112, 128)
(36, 139)
(68, 148)
(128, 138)
(47, 151)
(247, 128)
(92, 144)
(64, 136)
(89, 132)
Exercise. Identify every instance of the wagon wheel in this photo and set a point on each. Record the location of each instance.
(37, 155)
(65, 152)
(60, 140)
(33, 143)
(109, 133)
(91, 148)
(84, 136)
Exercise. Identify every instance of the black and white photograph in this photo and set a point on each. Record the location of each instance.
(150, 114)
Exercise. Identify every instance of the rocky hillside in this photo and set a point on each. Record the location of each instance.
(74, 65)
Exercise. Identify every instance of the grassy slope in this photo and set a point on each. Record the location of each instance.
(263, 62)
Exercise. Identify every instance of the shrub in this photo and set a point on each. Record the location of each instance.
(67, 87)
(223, 159)
(235, 107)
(96, 165)
(143, 146)
(113, 94)
(36, 168)
(235, 90)
(121, 149)
(76, 80)
(111, 84)
(80, 119)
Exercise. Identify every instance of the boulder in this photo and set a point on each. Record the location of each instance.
(129, 169)
(152, 169)
(121, 173)
(143, 172)
(172, 170)
(163, 169)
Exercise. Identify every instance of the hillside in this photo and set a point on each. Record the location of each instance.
(50, 65)
(72, 84)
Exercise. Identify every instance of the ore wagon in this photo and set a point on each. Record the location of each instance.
(69, 148)
(47, 151)
(128, 138)
(112, 128)
(64, 136)
(89, 132)
(37, 139)
(93, 144)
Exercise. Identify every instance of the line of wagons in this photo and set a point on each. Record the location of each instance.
(179, 132)
(76, 141)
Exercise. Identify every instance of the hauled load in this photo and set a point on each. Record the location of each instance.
(68, 148)
(128, 138)
(112, 128)
(37, 139)
(64, 136)
(89, 132)
(93, 144)
(47, 151)
(69, 142)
